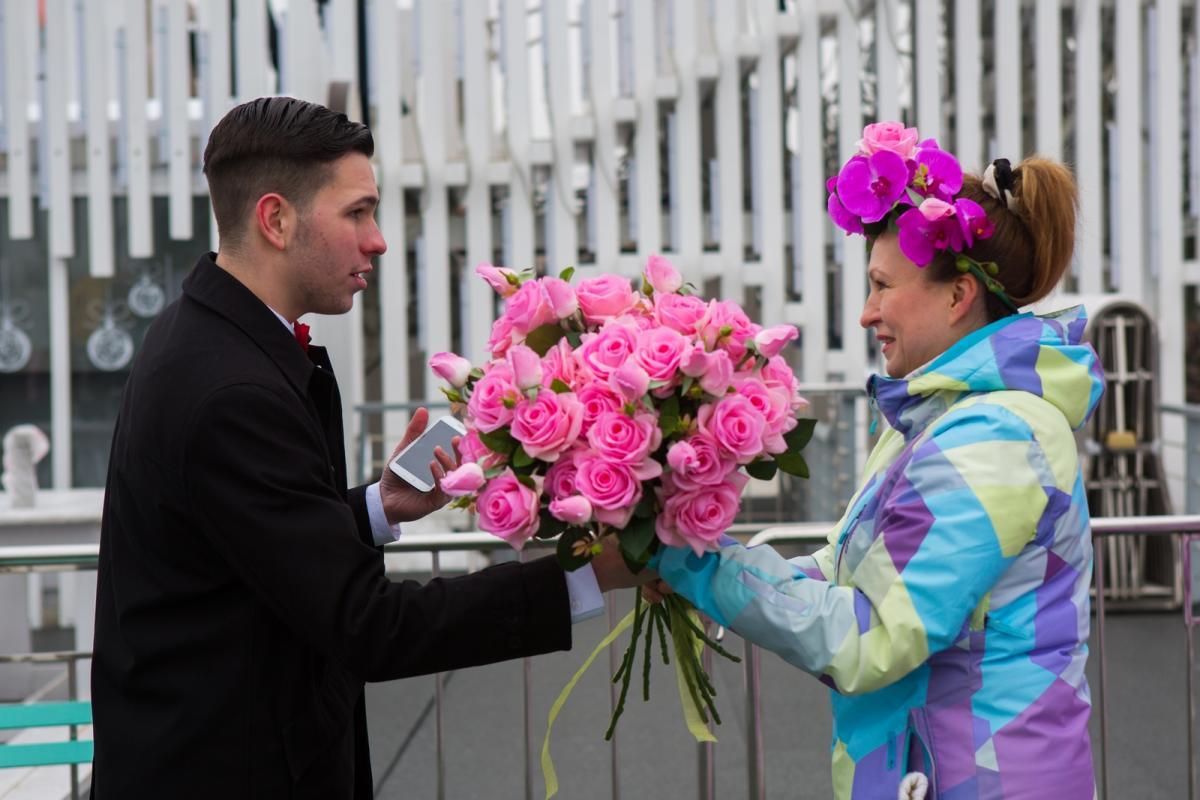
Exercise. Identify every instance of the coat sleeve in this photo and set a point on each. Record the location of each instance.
(261, 488)
(965, 502)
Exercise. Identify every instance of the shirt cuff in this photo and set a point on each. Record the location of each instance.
(381, 530)
(584, 593)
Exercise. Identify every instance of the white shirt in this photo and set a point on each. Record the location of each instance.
(583, 591)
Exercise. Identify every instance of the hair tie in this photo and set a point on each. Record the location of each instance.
(998, 182)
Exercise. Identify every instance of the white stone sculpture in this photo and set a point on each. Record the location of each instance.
(24, 447)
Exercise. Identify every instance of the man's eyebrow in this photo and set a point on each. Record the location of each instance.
(369, 200)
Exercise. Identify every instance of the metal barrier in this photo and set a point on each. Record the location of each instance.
(72, 557)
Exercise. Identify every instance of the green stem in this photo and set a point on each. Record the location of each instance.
(705, 638)
(627, 667)
(660, 614)
(647, 649)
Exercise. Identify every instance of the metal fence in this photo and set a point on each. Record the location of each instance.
(1185, 529)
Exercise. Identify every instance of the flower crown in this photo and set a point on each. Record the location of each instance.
(895, 170)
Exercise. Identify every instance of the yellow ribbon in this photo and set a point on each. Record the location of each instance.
(548, 773)
(691, 714)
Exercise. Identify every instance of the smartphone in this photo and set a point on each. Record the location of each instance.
(411, 464)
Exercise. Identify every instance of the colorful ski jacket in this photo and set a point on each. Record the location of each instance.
(949, 611)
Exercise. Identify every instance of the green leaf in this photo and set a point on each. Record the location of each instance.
(635, 565)
(476, 373)
(559, 387)
(763, 470)
(451, 394)
(668, 415)
(798, 436)
(543, 337)
(526, 481)
(520, 458)
(567, 274)
(550, 526)
(574, 338)
(635, 539)
(568, 559)
(645, 506)
(792, 464)
(498, 441)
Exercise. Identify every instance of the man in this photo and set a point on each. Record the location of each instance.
(242, 600)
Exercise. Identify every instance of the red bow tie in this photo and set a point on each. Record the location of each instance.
(301, 332)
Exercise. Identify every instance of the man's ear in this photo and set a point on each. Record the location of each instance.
(965, 291)
(273, 216)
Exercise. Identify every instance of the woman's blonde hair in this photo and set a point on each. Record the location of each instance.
(1033, 241)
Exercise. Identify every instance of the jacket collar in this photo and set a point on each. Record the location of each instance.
(223, 294)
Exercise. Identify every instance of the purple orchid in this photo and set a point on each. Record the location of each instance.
(938, 173)
(930, 227)
(868, 186)
(973, 220)
(843, 218)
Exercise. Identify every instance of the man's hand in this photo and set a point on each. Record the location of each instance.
(403, 503)
(611, 572)
(656, 591)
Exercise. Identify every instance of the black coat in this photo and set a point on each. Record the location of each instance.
(241, 603)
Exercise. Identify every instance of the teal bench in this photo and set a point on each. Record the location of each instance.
(45, 715)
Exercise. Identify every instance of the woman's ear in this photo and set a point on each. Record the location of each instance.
(965, 293)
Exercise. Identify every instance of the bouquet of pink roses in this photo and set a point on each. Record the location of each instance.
(612, 415)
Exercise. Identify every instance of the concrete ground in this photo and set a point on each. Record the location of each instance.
(483, 729)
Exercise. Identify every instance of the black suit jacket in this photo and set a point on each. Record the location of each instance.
(241, 604)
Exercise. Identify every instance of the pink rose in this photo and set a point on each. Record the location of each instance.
(717, 373)
(697, 518)
(625, 440)
(891, 136)
(559, 363)
(509, 509)
(772, 404)
(736, 425)
(604, 297)
(503, 281)
(548, 425)
(659, 351)
(474, 450)
(560, 296)
(597, 399)
(630, 381)
(697, 461)
(526, 367)
(572, 510)
(528, 308)
(613, 489)
(771, 340)
(451, 368)
(603, 352)
(661, 276)
(464, 480)
(493, 398)
(725, 325)
(560, 478)
(502, 336)
(679, 312)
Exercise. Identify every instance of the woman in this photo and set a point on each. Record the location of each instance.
(949, 611)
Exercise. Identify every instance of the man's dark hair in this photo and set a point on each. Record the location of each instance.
(274, 144)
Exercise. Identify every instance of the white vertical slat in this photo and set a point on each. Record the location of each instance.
(218, 99)
(20, 61)
(560, 216)
(99, 185)
(1129, 149)
(435, 86)
(342, 19)
(1006, 44)
(888, 103)
(60, 358)
(393, 283)
(250, 33)
(770, 94)
(62, 219)
(729, 149)
(926, 43)
(854, 262)
(137, 142)
(477, 109)
(304, 53)
(812, 203)
(179, 136)
(517, 113)
(1170, 226)
(605, 192)
(1088, 145)
(968, 58)
(687, 141)
(1048, 68)
(645, 80)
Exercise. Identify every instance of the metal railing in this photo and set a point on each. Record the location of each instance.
(1187, 528)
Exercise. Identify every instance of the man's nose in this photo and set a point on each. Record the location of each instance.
(375, 244)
